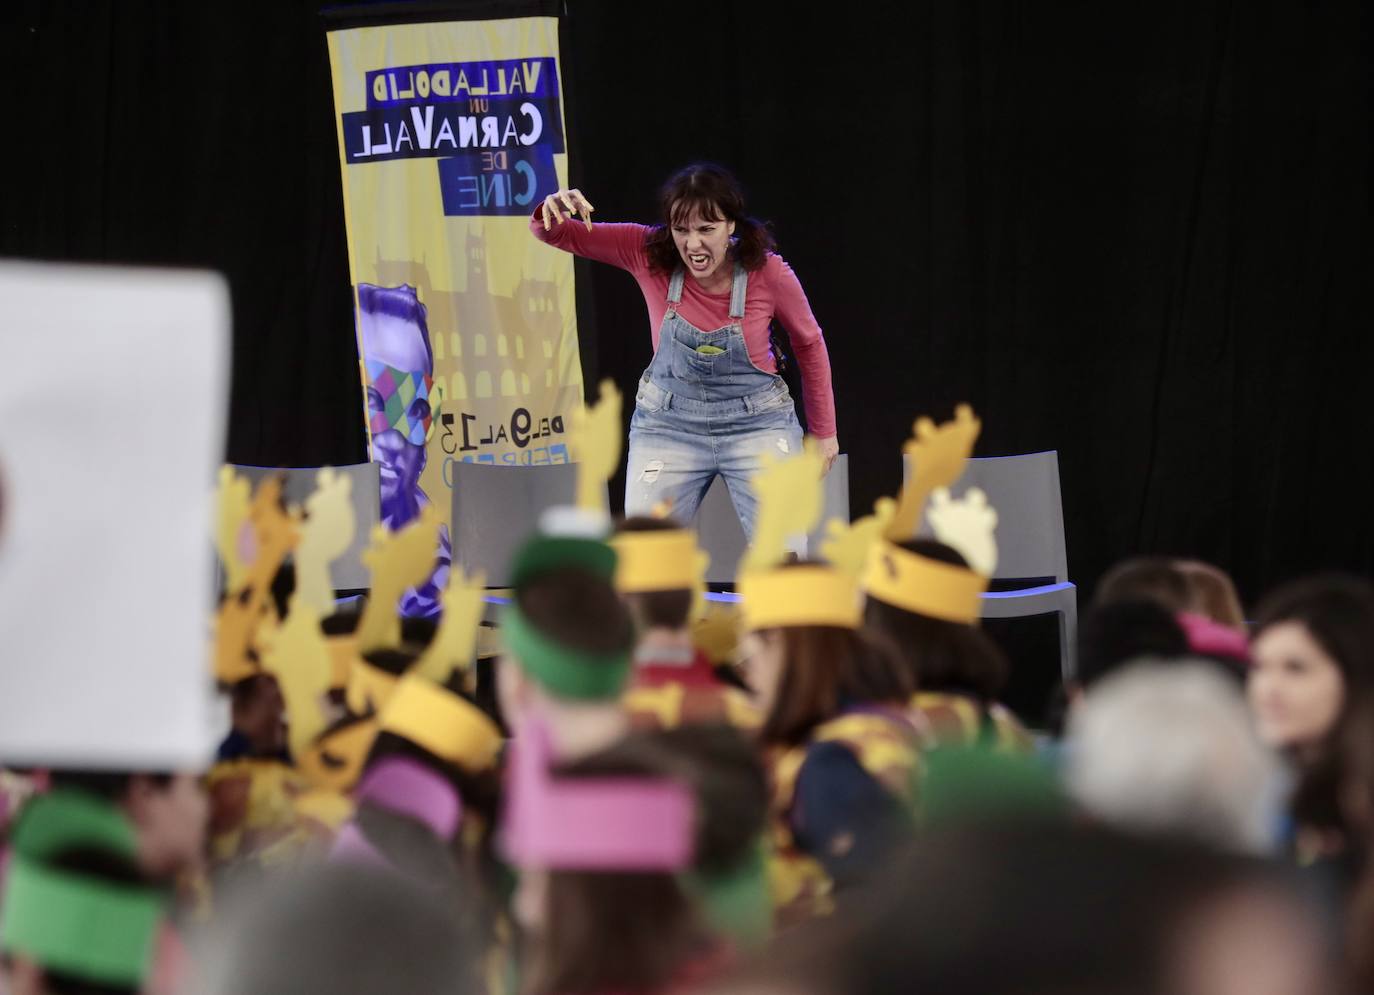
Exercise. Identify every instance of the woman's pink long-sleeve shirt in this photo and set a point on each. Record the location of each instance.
(774, 291)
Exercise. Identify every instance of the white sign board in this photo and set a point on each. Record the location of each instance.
(112, 402)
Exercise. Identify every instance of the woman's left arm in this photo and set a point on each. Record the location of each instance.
(793, 310)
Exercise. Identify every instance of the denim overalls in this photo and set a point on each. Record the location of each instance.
(698, 414)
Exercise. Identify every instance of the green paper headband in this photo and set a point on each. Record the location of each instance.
(544, 553)
(737, 903)
(77, 925)
(63, 819)
(568, 673)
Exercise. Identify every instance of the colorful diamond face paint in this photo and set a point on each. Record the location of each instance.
(392, 401)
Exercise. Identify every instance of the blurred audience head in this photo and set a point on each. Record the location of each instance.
(1169, 748)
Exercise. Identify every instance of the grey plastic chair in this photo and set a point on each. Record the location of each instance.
(1030, 542)
(347, 572)
(495, 508)
(723, 538)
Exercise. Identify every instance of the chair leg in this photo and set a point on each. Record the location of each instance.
(1068, 639)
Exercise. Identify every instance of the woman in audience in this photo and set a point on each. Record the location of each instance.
(956, 668)
(1313, 656)
(842, 746)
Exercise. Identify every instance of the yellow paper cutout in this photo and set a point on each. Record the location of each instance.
(456, 638)
(327, 533)
(717, 631)
(300, 660)
(232, 504)
(937, 456)
(789, 493)
(847, 546)
(398, 561)
(245, 609)
(595, 439)
(966, 525)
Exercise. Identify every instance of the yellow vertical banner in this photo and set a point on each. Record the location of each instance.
(450, 136)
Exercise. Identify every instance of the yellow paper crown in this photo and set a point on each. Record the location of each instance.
(456, 638)
(326, 534)
(245, 608)
(446, 724)
(938, 456)
(789, 492)
(299, 659)
(658, 561)
(595, 439)
(369, 687)
(335, 759)
(800, 595)
(918, 584)
(399, 561)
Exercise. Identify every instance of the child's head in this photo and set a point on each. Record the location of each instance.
(940, 655)
(168, 811)
(651, 606)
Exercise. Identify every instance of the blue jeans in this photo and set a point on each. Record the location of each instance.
(678, 445)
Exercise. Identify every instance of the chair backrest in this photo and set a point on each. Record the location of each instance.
(723, 538)
(348, 573)
(1030, 513)
(496, 507)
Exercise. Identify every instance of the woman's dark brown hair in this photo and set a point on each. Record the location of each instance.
(940, 655)
(1337, 611)
(717, 196)
(615, 930)
(826, 668)
(658, 609)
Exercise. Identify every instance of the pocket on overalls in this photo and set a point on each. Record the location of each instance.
(650, 397)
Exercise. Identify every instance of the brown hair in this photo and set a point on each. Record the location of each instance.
(825, 667)
(630, 931)
(1146, 578)
(658, 609)
(940, 655)
(717, 196)
(1213, 594)
(578, 609)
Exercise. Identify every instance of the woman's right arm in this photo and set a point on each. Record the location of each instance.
(619, 244)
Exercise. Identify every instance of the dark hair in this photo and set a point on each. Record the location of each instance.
(940, 655)
(718, 196)
(243, 693)
(112, 786)
(109, 868)
(722, 766)
(393, 661)
(1337, 611)
(1146, 578)
(341, 623)
(630, 931)
(1036, 908)
(283, 586)
(577, 609)
(824, 668)
(658, 609)
(418, 632)
(396, 302)
(1116, 633)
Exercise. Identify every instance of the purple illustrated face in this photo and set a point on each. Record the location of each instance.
(400, 372)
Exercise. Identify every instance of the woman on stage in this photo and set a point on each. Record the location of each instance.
(711, 401)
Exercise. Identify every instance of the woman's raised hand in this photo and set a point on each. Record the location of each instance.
(559, 207)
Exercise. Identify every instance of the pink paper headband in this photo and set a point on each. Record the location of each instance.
(407, 787)
(1214, 639)
(593, 824)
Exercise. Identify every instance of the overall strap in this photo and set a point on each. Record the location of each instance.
(675, 286)
(737, 291)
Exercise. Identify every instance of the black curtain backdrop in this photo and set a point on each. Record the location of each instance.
(1134, 233)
